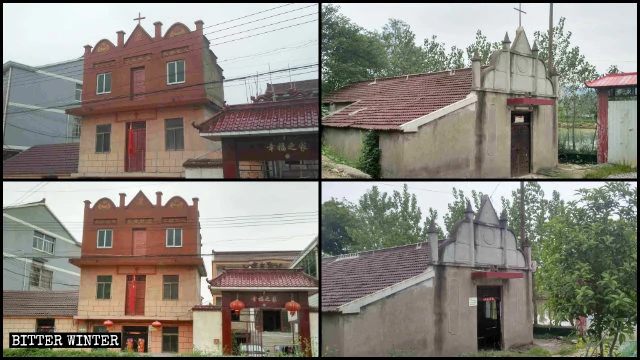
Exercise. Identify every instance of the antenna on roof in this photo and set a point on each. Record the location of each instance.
(272, 88)
(246, 90)
(290, 82)
(257, 87)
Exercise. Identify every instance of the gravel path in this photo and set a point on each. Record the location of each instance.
(624, 176)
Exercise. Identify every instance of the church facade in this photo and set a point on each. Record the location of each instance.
(492, 121)
(437, 298)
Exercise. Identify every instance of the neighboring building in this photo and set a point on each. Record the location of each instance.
(274, 137)
(617, 118)
(140, 98)
(289, 90)
(34, 102)
(35, 248)
(140, 264)
(43, 311)
(43, 162)
(493, 121)
(308, 262)
(222, 260)
(436, 298)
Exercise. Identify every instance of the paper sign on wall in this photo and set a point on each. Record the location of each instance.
(473, 301)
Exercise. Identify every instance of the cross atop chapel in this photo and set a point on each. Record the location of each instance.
(140, 18)
(520, 12)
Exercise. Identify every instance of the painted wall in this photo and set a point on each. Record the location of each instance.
(332, 340)
(158, 161)
(17, 239)
(29, 324)
(313, 325)
(207, 326)
(203, 173)
(344, 141)
(44, 124)
(623, 132)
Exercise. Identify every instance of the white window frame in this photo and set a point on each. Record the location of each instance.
(105, 240)
(78, 92)
(47, 242)
(184, 75)
(173, 241)
(41, 275)
(75, 127)
(104, 75)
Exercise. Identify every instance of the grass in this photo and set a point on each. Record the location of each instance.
(336, 157)
(498, 354)
(602, 172)
(66, 353)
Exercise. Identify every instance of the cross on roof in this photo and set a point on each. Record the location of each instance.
(139, 18)
(519, 9)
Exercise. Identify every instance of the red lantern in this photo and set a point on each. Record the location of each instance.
(156, 324)
(108, 324)
(236, 305)
(292, 307)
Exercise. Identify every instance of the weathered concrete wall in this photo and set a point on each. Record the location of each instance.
(399, 325)
(440, 149)
(344, 141)
(544, 150)
(332, 341)
(495, 133)
(314, 334)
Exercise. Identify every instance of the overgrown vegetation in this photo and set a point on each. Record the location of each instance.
(602, 172)
(369, 161)
(67, 353)
(336, 157)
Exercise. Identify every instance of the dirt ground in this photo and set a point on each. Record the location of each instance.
(332, 170)
(552, 345)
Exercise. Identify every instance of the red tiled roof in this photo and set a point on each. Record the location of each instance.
(39, 303)
(622, 79)
(290, 114)
(55, 159)
(284, 278)
(346, 279)
(384, 104)
(303, 85)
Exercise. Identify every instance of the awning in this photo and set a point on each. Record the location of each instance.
(529, 101)
(496, 275)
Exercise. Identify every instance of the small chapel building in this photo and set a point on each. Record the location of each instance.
(495, 121)
(442, 297)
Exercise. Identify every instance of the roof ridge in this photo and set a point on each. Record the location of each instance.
(407, 75)
(372, 251)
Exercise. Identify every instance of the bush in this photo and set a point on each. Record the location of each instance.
(539, 352)
(369, 161)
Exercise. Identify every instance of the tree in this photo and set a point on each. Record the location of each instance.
(484, 48)
(435, 55)
(336, 218)
(590, 261)
(403, 55)
(348, 53)
(458, 207)
(455, 59)
(613, 69)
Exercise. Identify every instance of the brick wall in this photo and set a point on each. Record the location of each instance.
(24, 324)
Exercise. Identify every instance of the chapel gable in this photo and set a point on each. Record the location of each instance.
(140, 200)
(102, 46)
(176, 29)
(139, 36)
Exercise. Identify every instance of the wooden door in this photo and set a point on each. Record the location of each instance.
(139, 242)
(137, 83)
(136, 161)
(138, 294)
(520, 144)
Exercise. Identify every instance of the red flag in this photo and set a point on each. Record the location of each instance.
(131, 147)
(132, 294)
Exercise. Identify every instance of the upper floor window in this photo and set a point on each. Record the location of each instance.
(104, 84)
(43, 242)
(174, 134)
(174, 237)
(40, 277)
(103, 138)
(104, 287)
(105, 238)
(170, 287)
(75, 130)
(175, 72)
(78, 92)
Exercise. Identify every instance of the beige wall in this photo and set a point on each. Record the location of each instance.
(332, 341)
(24, 324)
(345, 142)
(180, 309)
(207, 326)
(544, 143)
(495, 154)
(313, 325)
(158, 161)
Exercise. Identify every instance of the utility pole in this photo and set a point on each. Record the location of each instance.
(522, 240)
(550, 60)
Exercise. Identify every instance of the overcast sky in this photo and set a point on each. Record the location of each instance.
(40, 34)
(217, 199)
(438, 194)
(606, 33)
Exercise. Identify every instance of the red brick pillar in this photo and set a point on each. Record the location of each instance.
(229, 167)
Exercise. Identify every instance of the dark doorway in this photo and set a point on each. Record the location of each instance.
(135, 160)
(489, 329)
(272, 320)
(132, 335)
(520, 143)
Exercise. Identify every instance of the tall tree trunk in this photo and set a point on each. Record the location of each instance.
(573, 126)
(613, 343)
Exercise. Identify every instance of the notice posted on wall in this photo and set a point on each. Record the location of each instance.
(473, 301)
(65, 340)
(519, 119)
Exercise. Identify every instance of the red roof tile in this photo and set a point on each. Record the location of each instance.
(39, 303)
(290, 114)
(345, 279)
(55, 159)
(384, 104)
(622, 79)
(284, 278)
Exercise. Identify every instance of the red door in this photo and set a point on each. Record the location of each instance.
(137, 83)
(135, 161)
(138, 293)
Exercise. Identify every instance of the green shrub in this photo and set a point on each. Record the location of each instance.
(369, 161)
(540, 352)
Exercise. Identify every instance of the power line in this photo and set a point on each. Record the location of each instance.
(23, 275)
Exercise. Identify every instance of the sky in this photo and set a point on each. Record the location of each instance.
(40, 34)
(217, 200)
(438, 194)
(606, 33)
